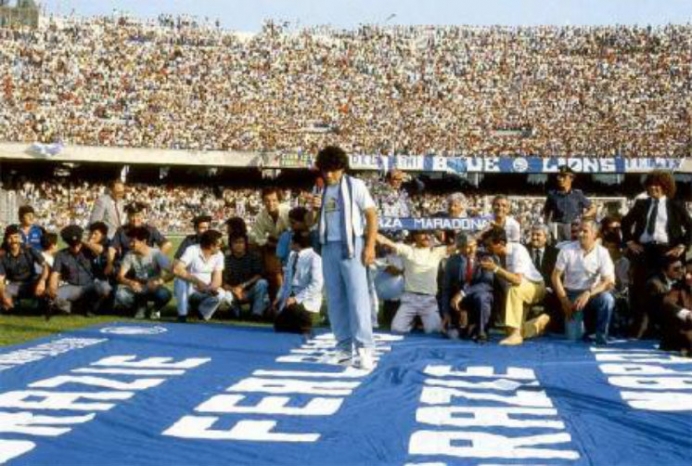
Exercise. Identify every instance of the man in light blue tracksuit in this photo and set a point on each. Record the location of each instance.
(347, 222)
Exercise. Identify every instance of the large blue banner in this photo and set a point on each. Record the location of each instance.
(513, 164)
(178, 394)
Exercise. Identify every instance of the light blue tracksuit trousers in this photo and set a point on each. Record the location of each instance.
(348, 299)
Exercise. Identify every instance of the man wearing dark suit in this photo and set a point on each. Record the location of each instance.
(655, 228)
(676, 315)
(110, 208)
(543, 254)
(467, 293)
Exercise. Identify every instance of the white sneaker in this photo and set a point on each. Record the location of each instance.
(155, 315)
(365, 360)
(343, 358)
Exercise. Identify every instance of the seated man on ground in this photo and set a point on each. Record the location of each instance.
(525, 286)
(583, 277)
(199, 276)
(467, 293)
(300, 297)
(676, 310)
(72, 281)
(421, 264)
(49, 248)
(142, 277)
(120, 244)
(544, 256)
(200, 224)
(19, 266)
(243, 277)
(670, 271)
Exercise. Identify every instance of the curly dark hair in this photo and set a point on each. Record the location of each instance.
(664, 179)
(332, 158)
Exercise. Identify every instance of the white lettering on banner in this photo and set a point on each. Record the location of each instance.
(311, 387)
(483, 164)
(439, 164)
(27, 423)
(514, 164)
(499, 384)
(409, 162)
(487, 417)
(649, 384)
(11, 449)
(77, 401)
(46, 350)
(658, 401)
(197, 427)
(151, 363)
(139, 384)
(514, 373)
(271, 405)
(639, 369)
(528, 409)
(442, 395)
(484, 445)
(326, 396)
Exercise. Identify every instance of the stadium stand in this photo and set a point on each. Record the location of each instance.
(597, 91)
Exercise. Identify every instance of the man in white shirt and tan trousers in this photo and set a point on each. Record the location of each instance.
(526, 286)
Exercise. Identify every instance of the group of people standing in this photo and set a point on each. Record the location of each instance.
(457, 283)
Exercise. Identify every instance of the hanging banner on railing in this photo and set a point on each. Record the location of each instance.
(432, 163)
(433, 223)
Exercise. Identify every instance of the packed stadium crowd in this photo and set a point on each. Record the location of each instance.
(115, 81)
(565, 271)
(172, 208)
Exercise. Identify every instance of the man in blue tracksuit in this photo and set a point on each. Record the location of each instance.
(347, 225)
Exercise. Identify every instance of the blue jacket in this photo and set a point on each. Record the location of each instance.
(454, 280)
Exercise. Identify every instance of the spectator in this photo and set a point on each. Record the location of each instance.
(565, 204)
(49, 247)
(583, 277)
(300, 298)
(30, 232)
(142, 277)
(109, 208)
(95, 249)
(270, 223)
(467, 293)
(655, 227)
(526, 286)
(72, 279)
(18, 271)
(502, 219)
(676, 311)
(121, 243)
(243, 272)
(200, 223)
(544, 256)
(421, 265)
(200, 274)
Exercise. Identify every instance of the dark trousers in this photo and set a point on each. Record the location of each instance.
(644, 265)
(294, 319)
(476, 309)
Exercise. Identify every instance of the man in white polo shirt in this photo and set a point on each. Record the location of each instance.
(421, 265)
(583, 276)
(526, 286)
(200, 271)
